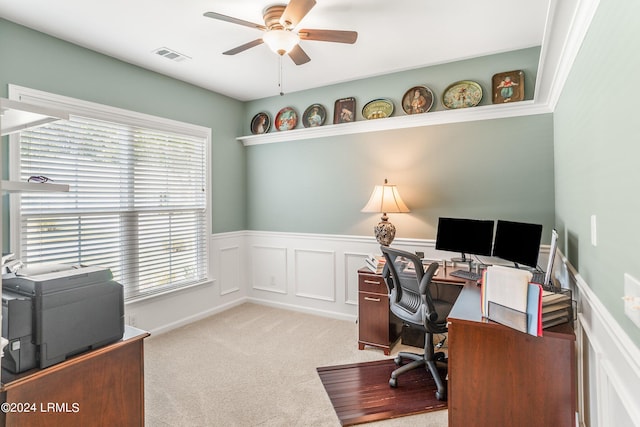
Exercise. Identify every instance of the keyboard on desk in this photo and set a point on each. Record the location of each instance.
(467, 275)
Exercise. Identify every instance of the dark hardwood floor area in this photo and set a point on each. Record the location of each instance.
(361, 393)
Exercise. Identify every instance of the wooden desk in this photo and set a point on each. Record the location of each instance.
(377, 326)
(101, 387)
(501, 377)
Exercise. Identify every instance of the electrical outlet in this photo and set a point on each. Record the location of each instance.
(632, 298)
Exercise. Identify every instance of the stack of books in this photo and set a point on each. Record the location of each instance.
(556, 308)
(375, 263)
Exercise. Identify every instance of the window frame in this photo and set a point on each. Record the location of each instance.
(112, 114)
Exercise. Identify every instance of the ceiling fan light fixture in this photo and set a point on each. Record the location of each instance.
(281, 41)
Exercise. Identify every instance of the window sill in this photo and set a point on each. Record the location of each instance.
(145, 297)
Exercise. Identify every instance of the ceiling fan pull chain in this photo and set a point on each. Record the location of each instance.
(280, 76)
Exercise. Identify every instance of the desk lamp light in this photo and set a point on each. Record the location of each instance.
(385, 199)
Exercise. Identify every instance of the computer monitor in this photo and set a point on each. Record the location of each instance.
(467, 236)
(518, 242)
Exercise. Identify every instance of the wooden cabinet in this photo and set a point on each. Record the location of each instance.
(103, 387)
(502, 377)
(377, 327)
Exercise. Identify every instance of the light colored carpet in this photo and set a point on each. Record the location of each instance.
(254, 365)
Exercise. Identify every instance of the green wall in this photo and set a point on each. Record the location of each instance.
(597, 150)
(491, 169)
(38, 61)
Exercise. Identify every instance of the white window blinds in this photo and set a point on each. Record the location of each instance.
(136, 204)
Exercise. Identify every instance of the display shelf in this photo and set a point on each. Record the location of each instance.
(20, 187)
(486, 112)
(17, 116)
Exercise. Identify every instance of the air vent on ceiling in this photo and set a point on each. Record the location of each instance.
(171, 54)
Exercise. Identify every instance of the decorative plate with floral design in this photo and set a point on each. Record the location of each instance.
(462, 94)
(286, 119)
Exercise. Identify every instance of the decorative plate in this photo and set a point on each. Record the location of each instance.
(314, 116)
(462, 94)
(377, 109)
(286, 119)
(261, 123)
(418, 99)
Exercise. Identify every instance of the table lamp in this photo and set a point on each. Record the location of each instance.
(385, 199)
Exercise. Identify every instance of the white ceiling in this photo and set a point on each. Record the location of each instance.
(393, 35)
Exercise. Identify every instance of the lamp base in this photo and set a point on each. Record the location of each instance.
(385, 232)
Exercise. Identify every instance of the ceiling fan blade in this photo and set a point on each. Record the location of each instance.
(336, 36)
(295, 11)
(226, 18)
(298, 55)
(243, 47)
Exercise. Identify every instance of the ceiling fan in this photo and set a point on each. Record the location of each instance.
(280, 33)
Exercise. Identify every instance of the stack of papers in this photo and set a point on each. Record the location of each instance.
(375, 263)
(556, 309)
(509, 298)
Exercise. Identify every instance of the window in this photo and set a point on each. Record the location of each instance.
(137, 202)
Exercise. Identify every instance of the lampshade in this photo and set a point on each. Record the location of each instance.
(281, 41)
(384, 199)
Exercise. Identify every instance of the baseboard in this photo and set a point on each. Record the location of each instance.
(306, 310)
(197, 316)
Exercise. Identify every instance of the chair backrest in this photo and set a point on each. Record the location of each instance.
(409, 286)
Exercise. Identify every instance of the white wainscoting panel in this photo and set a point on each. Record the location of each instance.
(318, 273)
(261, 266)
(269, 268)
(230, 272)
(315, 274)
(608, 362)
(352, 263)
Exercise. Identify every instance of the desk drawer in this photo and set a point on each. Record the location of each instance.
(371, 283)
(373, 313)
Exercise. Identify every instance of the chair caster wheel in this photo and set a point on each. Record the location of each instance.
(440, 396)
(398, 360)
(393, 382)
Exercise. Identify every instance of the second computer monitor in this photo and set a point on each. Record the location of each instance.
(466, 236)
(518, 242)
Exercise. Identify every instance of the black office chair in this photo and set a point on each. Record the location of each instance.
(421, 304)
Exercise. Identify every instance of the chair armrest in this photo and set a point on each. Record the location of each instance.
(388, 279)
(430, 312)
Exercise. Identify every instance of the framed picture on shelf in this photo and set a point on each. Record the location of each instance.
(508, 87)
(344, 110)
